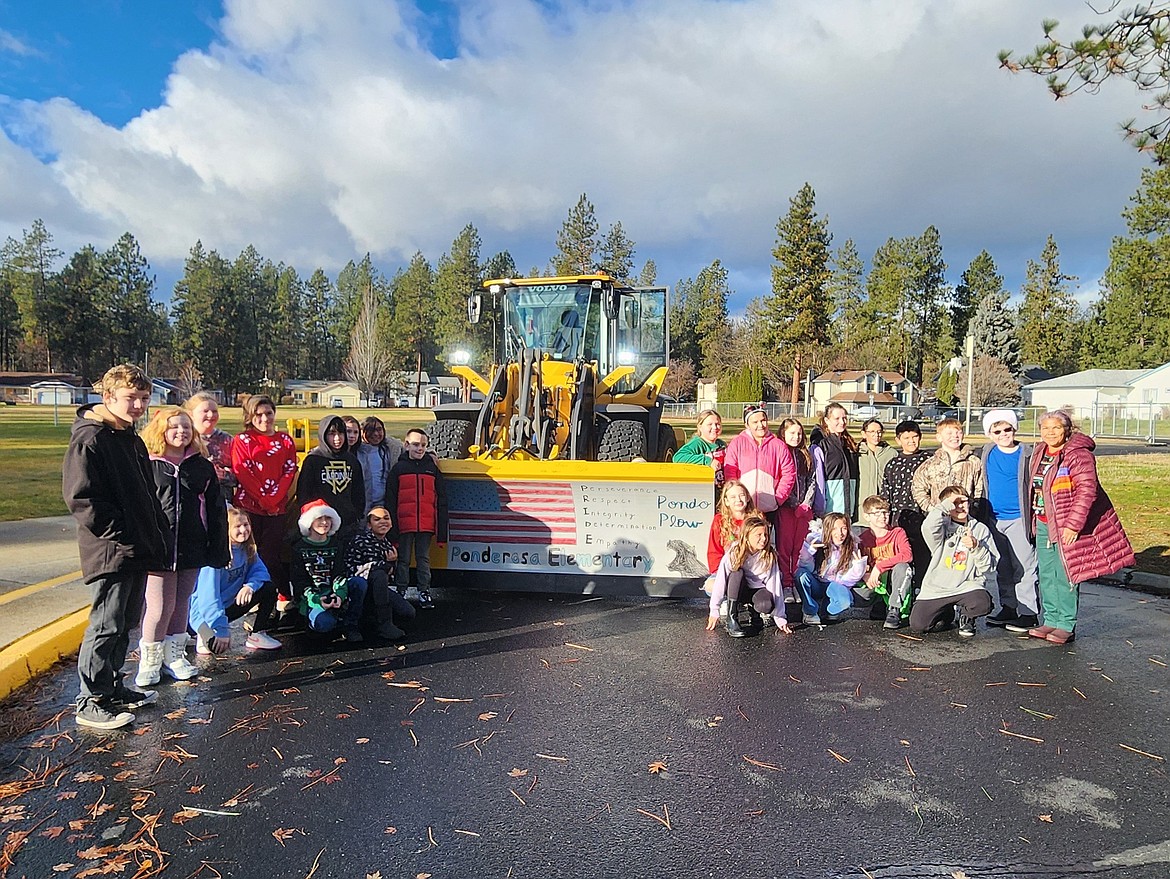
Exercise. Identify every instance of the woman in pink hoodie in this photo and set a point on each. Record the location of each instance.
(763, 462)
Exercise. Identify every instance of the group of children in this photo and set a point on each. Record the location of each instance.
(161, 546)
(916, 555)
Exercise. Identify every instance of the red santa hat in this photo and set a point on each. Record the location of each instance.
(314, 510)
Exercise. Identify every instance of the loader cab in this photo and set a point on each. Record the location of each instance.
(587, 318)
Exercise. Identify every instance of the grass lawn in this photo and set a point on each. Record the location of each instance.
(31, 447)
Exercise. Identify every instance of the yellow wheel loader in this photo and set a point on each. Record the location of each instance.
(556, 480)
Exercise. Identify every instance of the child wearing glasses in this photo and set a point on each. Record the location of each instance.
(886, 548)
(417, 496)
(1009, 516)
(372, 556)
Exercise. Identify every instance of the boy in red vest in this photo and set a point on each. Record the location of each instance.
(416, 493)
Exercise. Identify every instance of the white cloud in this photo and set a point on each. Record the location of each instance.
(12, 44)
(320, 131)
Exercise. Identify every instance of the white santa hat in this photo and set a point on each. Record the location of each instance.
(314, 510)
(995, 416)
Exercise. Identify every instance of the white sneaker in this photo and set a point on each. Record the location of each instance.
(262, 641)
(790, 595)
(201, 646)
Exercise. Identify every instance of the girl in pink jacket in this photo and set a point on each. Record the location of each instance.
(763, 462)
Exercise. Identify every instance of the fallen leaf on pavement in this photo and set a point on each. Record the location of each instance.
(283, 833)
(656, 767)
(518, 773)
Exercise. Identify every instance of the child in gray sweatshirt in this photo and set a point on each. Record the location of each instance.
(962, 566)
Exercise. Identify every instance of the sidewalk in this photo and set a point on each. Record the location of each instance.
(42, 621)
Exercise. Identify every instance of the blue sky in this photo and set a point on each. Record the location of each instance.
(320, 131)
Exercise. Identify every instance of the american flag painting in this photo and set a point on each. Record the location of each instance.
(484, 511)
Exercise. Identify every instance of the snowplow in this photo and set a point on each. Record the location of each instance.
(557, 479)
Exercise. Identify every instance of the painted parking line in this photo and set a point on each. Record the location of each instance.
(34, 588)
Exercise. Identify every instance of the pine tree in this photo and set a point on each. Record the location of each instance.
(287, 357)
(31, 278)
(457, 275)
(1131, 321)
(412, 327)
(77, 329)
(324, 355)
(617, 254)
(927, 303)
(204, 312)
(796, 314)
(979, 281)
(135, 322)
(500, 266)
(846, 289)
(887, 308)
(577, 241)
(648, 277)
(994, 330)
(687, 303)
(711, 314)
(10, 332)
(1048, 314)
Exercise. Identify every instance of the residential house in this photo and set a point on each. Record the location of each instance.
(1091, 388)
(853, 388)
(43, 388)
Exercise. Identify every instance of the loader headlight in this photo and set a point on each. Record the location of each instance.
(627, 358)
(460, 358)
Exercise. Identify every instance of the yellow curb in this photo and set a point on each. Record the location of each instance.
(38, 651)
(37, 587)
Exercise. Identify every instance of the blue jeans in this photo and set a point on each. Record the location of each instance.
(818, 595)
(322, 620)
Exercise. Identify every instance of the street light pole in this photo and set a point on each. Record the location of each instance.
(970, 375)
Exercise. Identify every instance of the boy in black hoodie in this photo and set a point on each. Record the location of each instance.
(106, 483)
(333, 474)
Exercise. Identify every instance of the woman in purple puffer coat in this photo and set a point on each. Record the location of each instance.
(1078, 534)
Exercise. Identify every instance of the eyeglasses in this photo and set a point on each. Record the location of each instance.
(1003, 430)
(878, 513)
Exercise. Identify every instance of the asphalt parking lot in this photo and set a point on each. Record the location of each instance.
(535, 736)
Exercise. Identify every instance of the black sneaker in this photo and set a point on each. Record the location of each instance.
(1002, 618)
(127, 697)
(352, 636)
(95, 716)
(966, 624)
(424, 599)
(1020, 625)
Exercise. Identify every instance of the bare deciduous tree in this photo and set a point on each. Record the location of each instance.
(190, 379)
(992, 384)
(368, 363)
(680, 380)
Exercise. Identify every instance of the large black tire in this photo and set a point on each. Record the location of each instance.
(621, 441)
(667, 443)
(452, 437)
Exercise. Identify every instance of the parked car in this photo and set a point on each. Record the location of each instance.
(863, 413)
